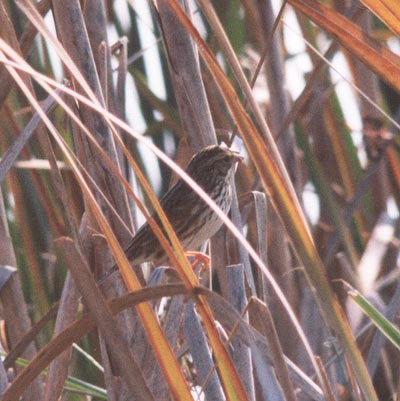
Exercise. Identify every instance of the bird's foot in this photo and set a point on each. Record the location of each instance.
(200, 259)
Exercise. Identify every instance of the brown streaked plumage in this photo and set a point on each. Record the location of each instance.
(191, 218)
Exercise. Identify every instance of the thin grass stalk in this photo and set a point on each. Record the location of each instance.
(14, 307)
(320, 181)
(382, 61)
(261, 319)
(58, 370)
(186, 78)
(242, 357)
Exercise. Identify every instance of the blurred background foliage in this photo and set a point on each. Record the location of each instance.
(307, 91)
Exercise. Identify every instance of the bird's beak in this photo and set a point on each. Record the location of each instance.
(238, 157)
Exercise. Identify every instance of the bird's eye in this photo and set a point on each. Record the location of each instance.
(227, 158)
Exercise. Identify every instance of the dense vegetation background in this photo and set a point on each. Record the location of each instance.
(94, 93)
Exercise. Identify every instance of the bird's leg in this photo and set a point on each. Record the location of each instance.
(199, 258)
